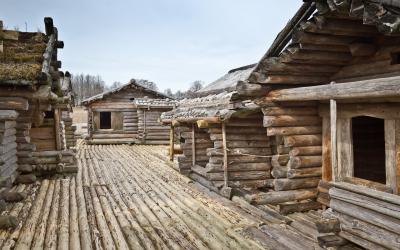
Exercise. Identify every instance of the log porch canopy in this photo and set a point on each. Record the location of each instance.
(118, 116)
(335, 95)
(35, 100)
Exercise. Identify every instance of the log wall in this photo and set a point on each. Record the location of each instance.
(8, 147)
(150, 130)
(68, 129)
(295, 132)
(248, 148)
(368, 218)
(202, 142)
(130, 121)
(25, 145)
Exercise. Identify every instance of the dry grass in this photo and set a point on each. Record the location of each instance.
(79, 115)
(21, 71)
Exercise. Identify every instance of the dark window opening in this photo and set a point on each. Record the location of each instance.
(395, 58)
(369, 148)
(105, 120)
(49, 114)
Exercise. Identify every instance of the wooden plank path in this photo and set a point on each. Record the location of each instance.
(129, 197)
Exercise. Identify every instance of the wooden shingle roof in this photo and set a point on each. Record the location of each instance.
(322, 46)
(155, 103)
(132, 83)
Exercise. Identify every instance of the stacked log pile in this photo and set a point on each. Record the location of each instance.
(248, 149)
(297, 154)
(130, 122)
(369, 218)
(150, 130)
(69, 130)
(8, 146)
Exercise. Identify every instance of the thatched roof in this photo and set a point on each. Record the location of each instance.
(228, 81)
(22, 56)
(132, 83)
(155, 103)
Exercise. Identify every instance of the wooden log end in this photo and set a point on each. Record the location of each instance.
(26, 179)
(7, 221)
(11, 196)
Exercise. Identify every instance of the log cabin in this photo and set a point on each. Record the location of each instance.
(223, 140)
(115, 118)
(34, 97)
(333, 110)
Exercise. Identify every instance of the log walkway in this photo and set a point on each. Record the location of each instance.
(129, 197)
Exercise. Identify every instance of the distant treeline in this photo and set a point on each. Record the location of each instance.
(85, 86)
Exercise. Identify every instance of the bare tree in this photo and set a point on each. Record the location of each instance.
(195, 86)
(147, 84)
(168, 92)
(179, 95)
(85, 86)
(115, 85)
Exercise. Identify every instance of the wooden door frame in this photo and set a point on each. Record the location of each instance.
(390, 113)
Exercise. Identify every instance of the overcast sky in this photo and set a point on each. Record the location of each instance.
(170, 42)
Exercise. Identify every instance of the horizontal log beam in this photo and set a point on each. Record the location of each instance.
(375, 88)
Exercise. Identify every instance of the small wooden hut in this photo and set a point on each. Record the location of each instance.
(333, 110)
(114, 116)
(150, 130)
(34, 95)
(223, 140)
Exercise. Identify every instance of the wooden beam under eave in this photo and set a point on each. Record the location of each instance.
(374, 88)
(195, 119)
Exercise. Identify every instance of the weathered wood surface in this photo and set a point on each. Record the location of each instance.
(381, 87)
(129, 197)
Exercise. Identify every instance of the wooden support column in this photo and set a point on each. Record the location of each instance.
(90, 122)
(57, 121)
(225, 154)
(326, 150)
(193, 145)
(171, 143)
(397, 191)
(144, 123)
(391, 154)
(345, 162)
(333, 123)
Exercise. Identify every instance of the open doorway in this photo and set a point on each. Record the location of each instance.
(105, 120)
(369, 148)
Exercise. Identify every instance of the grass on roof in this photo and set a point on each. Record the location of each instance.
(20, 71)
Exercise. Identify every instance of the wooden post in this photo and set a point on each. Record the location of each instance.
(326, 150)
(390, 152)
(171, 143)
(90, 122)
(225, 155)
(144, 124)
(57, 122)
(333, 112)
(344, 155)
(193, 145)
